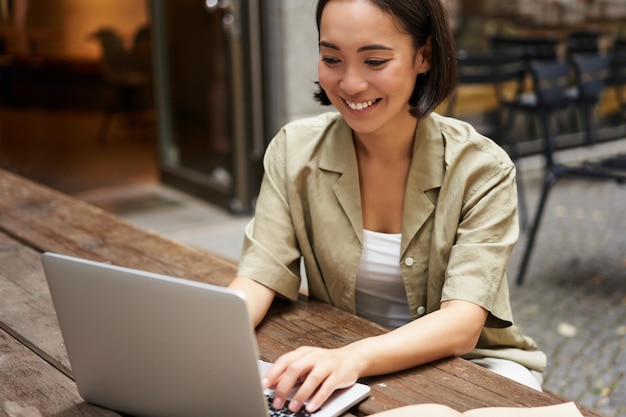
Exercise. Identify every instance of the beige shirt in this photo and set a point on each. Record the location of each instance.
(459, 223)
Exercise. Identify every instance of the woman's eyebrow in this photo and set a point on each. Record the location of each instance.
(373, 47)
(328, 45)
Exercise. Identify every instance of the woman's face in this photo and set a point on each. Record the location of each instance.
(367, 65)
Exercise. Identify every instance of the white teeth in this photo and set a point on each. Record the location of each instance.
(360, 106)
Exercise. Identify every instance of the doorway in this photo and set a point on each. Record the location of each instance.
(208, 89)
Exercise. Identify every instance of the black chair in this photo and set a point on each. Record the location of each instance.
(551, 83)
(496, 69)
(617, 76)
(505, 73)
(616, 80)
(590, 75)
(532, 48)
(619, 45)
(583, 42)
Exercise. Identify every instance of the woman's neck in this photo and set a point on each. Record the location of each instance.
(391, 145)
(384, 162)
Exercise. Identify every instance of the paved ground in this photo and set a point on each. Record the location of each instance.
(573, 301)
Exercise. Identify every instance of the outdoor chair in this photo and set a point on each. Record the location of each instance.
(583, 42)
(619, 45)
(590, 74)
(504, 73)
(616, 79)
(532, 48)
(551, 83)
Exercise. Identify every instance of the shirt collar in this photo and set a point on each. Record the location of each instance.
(427, 167)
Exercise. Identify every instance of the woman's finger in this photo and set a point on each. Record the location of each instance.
(294, 372)
(310, 386)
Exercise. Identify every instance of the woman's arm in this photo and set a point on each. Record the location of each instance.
(452, 330)
(258, 297)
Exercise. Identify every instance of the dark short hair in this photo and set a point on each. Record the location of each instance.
(420, 19)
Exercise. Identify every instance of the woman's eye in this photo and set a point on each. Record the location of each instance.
(328, 60)
(376, 62)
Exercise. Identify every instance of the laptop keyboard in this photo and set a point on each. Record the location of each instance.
(284, 412)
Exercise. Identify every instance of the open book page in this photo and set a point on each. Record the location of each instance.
(559, 410)
(437, 410)
(418, 410)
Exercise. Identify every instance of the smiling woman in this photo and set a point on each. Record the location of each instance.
(400, 215)
(363, 69)
(431, 88)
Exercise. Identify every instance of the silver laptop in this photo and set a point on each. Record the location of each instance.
(152, 345)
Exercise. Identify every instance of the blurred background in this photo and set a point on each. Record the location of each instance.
(99, 93)
(160, 111)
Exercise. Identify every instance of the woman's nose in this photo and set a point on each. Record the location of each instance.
(353, 82)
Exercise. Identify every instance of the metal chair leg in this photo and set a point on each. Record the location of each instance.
(549, 180)
(521, 203)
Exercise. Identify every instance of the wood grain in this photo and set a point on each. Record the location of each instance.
(30, 387)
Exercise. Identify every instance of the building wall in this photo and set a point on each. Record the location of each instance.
(300, 58)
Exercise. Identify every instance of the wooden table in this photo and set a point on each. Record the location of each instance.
(34, 368)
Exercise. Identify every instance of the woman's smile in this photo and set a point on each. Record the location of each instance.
(362, 105)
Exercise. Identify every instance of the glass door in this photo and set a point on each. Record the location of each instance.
(208, 94)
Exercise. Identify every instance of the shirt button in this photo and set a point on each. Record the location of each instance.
(421, 310)
(408, 261)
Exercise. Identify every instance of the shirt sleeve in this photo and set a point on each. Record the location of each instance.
(270, 253)
(487, 232)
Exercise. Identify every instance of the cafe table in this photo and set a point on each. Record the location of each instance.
(35, 374)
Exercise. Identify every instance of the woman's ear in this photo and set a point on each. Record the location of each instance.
(424, 56)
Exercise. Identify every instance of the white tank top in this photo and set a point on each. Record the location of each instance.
(379, 294)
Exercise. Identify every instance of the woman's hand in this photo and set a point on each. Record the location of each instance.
(316, 373)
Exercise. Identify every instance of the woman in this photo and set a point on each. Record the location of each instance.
(401, 216)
